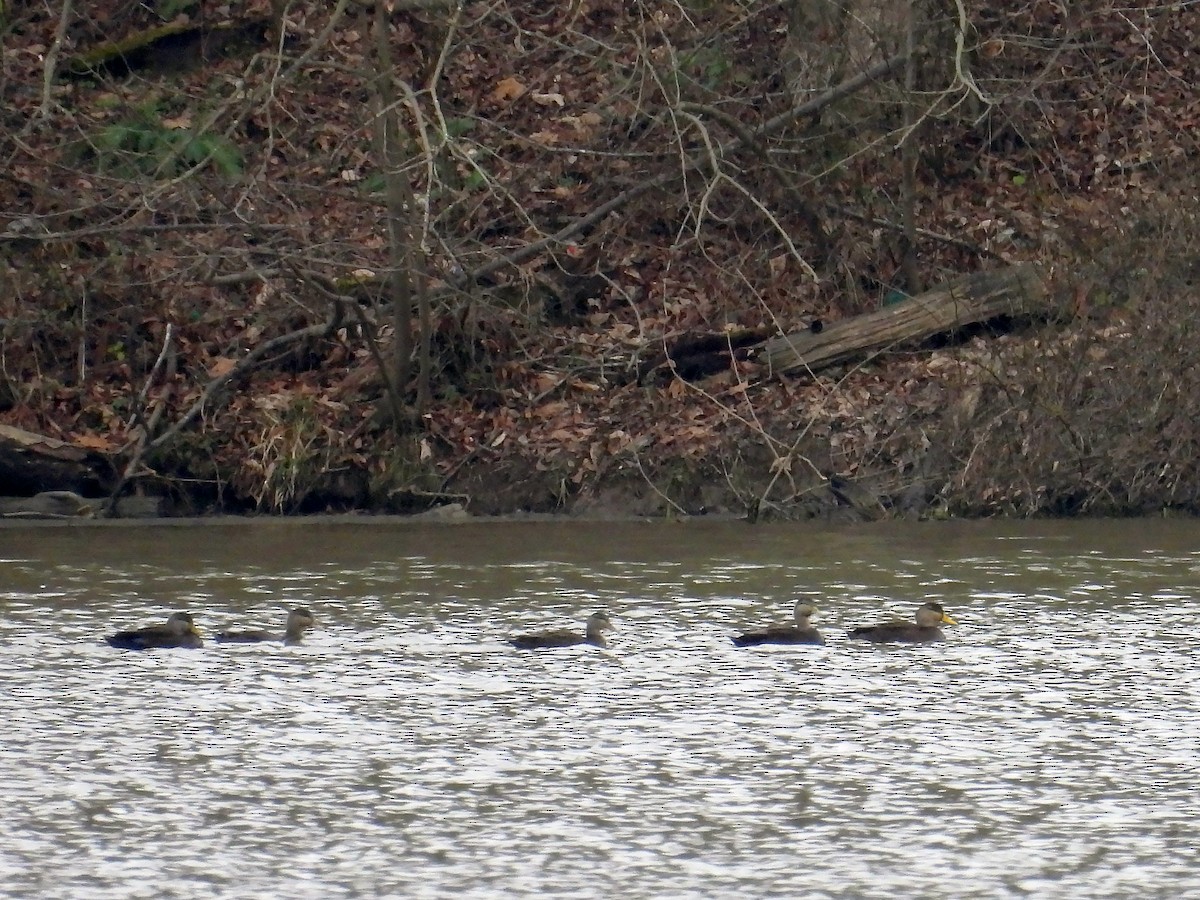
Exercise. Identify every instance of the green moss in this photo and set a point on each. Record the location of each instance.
(131, 46)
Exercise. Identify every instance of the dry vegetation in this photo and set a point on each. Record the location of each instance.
(296, 256)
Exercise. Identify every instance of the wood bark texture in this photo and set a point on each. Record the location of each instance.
(1019, 291)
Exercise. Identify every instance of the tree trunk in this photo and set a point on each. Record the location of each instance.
(401, 210)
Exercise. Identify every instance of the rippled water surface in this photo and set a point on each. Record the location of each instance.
(1049, 748)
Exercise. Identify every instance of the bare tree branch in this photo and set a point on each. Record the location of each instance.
(580, 225)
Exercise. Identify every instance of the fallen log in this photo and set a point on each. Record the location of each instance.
(69, 505)
(31, 462)
(1016, 292)
(692, 356)
(47, 505)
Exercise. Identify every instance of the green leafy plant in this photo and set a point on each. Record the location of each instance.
(457, 127)
(141, 143)
(475, 180)
(374, 184)
(169, 9)
(708, 66)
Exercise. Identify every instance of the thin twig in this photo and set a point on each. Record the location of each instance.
(244, 365)
(147, 425)
(845, 89)
(50, 64)
(654, 487)
(140, 403)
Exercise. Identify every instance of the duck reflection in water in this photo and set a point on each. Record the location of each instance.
(923, 630)
(597, 624)
(178, 631)
(299, 620)
(802, 632)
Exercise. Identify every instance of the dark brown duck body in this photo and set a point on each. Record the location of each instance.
(597, 624)
(923, 630)
(801, 633)
(299, 620)
(179, 631)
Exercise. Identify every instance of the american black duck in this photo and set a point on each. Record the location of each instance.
(925, 629)
(298, 621)
(597, 624)
(801, 633)
(178, 631)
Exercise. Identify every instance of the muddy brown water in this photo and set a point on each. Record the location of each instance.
(1049, 748)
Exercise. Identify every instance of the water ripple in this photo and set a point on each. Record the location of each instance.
(1047, 749)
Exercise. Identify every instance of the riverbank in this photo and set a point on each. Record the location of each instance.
(1023, 424)
(581, 280)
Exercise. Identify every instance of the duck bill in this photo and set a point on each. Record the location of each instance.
(946, 620)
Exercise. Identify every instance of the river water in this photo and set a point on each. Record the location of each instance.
(1049, 748)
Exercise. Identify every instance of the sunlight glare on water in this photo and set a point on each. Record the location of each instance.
(1049, 748)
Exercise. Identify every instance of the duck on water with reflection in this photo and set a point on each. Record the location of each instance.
(178, 631)
(924, 629)
(597, 624)
(299, 620)
(802, 632)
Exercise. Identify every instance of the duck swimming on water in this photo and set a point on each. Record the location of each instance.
(178, 631)
(298, 621)
(801, 633)
(597, 624)
(923, 630)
